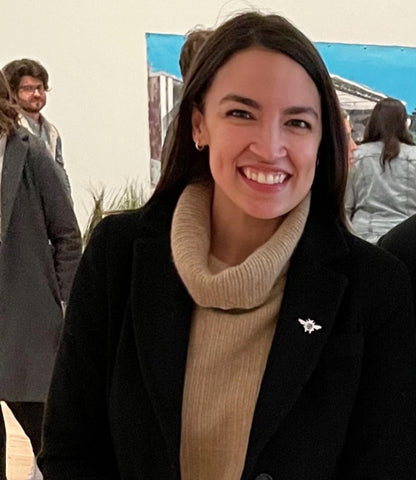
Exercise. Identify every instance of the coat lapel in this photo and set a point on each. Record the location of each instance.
(162, 310)
(14, 161)
(313, 291)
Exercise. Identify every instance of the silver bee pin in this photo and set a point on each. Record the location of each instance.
(309, 325)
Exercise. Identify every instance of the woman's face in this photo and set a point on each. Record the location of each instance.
(262, 123)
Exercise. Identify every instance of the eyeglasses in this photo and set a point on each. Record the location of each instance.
(32, 88)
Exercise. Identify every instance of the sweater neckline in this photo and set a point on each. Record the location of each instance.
(244, 286)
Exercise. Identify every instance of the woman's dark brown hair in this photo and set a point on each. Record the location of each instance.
(8, 111)
(387, 124)
(184, 164)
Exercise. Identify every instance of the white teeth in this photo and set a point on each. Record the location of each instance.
(261, 178)
(269, 179)
(264, 178)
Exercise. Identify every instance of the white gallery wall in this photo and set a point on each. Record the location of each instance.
(95, 53)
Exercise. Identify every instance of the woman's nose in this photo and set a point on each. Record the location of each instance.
(269, 143)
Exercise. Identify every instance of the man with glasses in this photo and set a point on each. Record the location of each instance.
(28, 81)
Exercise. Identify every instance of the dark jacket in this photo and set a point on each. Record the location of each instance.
(400, 241)
(39, 252)
(335, 404)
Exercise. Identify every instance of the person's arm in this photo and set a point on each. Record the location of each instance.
(61, 223)
(76, 440)
(381, 440)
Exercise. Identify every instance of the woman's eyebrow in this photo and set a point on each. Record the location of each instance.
(252, 103)
(240, 99)
(295, 110)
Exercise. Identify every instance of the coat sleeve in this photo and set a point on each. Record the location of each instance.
(381, 439)
(76, 441)
(60, 220)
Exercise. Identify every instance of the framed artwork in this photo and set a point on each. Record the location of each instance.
(362, 75)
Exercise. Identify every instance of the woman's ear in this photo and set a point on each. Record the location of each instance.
(199, 129)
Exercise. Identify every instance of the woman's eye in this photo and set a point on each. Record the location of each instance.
(299, 123)
(239, 114)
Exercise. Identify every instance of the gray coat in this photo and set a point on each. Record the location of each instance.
(39, 252)
(378, 200)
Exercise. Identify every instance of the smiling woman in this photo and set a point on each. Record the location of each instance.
(233, 328)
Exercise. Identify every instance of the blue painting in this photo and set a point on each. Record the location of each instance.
(387, 69)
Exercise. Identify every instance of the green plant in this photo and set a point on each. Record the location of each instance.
(129, 197)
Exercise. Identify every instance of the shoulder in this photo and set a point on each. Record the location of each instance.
(371, 148)
(378, 289)
(36, 147)
(367, 156)
(375, 274)
(374, 282)
(122, 230)
(401, 240)
(408, 151)
(50, 126)
(22, 142)
(114, 243)
(331, 245)
(365, 255)
(368, 268)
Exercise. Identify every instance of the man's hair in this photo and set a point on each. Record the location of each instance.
(8, 111)
(17, 69)
(193, 43)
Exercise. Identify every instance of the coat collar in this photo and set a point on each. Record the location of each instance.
(51, 130)
(162, 322)
(14, 161)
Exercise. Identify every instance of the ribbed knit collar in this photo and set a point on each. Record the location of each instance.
(245, 286)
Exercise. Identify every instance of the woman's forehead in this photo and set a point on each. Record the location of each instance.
(263, 74)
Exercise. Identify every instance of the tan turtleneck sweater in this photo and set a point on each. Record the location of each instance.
(233, 324)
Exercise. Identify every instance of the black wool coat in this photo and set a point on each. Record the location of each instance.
(335, 404)
(39, 252)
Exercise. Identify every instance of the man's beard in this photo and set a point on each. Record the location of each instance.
(31, 109)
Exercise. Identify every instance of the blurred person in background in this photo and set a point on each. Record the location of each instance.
(29, 82)
(40, 246)
(381, 189)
